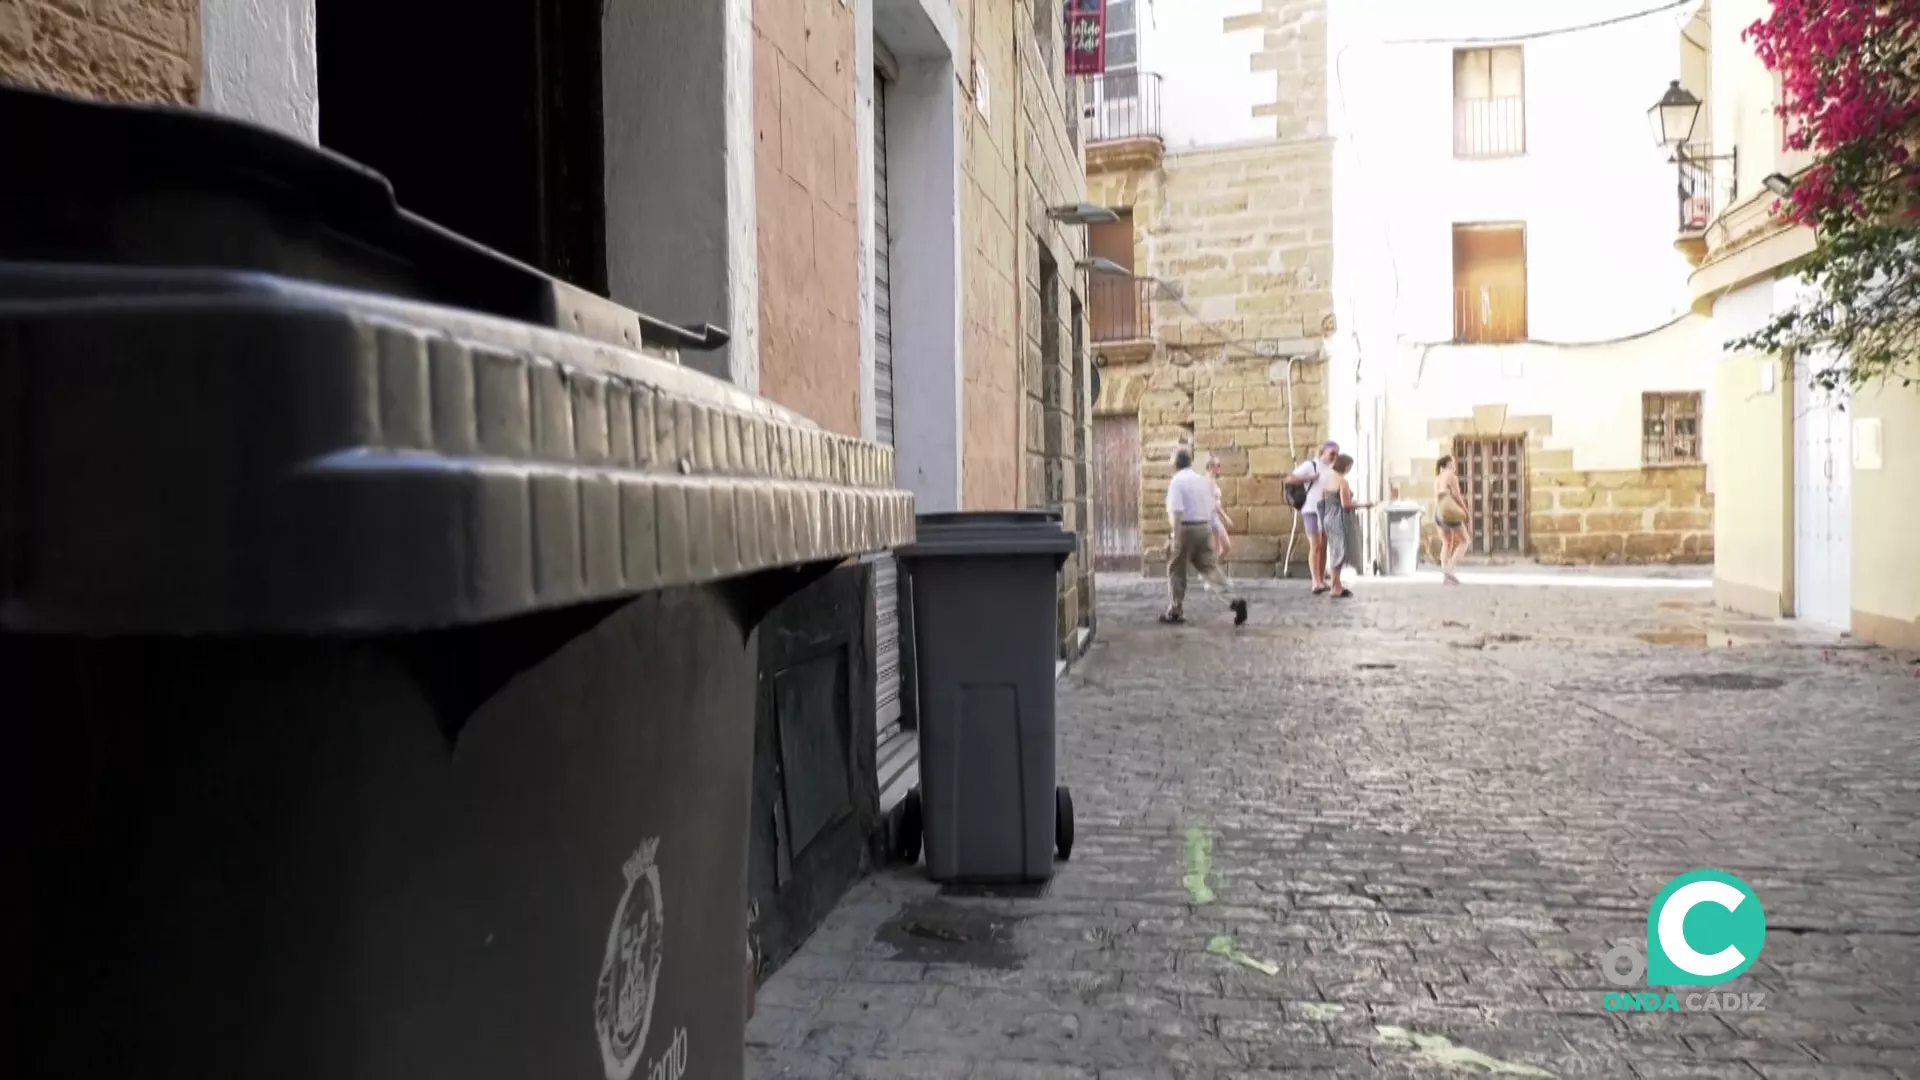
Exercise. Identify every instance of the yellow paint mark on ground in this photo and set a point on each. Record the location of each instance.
(1441, 1051)
(1199, 867)
(1223, 946)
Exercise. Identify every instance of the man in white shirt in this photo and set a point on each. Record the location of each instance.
(1190, 515)
(1312, 474)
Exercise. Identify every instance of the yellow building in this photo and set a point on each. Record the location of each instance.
(1814, 493)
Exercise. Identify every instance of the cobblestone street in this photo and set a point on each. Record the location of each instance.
(1392, 836)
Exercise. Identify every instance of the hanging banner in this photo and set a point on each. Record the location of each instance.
(1086, 37)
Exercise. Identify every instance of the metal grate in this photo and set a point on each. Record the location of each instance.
(1669, 428)
(1493, 477)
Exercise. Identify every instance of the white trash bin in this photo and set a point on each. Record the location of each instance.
(1403, 537)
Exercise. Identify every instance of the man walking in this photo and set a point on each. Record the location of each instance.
(1313, 474)
(1190, 515)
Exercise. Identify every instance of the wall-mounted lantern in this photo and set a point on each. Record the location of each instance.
(1673, 117)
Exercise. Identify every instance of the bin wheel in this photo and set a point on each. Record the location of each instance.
(906, 840)
(1063, 822)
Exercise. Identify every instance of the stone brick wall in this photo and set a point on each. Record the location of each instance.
(1575, 516)
(114, 50)
(809, 223)
(1662, 515)
(1057, 421)
(1240, 241)
(1294, 48)
(992, 244)
(1262, 417)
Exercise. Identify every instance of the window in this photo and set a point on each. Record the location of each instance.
(1670, 428)
(1489, 283)
(1489, 103)
(1122, 79)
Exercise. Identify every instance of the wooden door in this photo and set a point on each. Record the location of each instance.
(1114, 312)
(1493, 477)
(1116, 492)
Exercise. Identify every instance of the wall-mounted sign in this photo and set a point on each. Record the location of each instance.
(1086, 37)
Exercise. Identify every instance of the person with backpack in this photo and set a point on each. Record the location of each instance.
(1306, 487)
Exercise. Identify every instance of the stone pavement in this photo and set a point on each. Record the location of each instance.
(1391, 836)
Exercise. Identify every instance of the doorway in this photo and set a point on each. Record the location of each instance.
(497, 138)
(1493, 477)
(1116, 314)
(1822, 502)
(1116, 492)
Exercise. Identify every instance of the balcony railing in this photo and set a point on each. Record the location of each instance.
(1489, 127)
(1120, 106)
(1705, 187)
(1489, 315)
(1120, 309)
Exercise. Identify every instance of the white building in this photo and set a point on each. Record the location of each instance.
(1507, 272)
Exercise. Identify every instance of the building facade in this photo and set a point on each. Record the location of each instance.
(858, 191)
(1212, 313)
(1814, 520)
(1506, 265)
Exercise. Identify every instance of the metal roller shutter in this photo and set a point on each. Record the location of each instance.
(898, 749)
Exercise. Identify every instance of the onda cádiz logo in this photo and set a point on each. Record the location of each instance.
(1704, 929)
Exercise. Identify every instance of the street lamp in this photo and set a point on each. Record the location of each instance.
(1673, 117)
(1779, 183)
(1103, 267)
(1082, 214)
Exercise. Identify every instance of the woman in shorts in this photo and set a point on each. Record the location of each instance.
(1450, 516)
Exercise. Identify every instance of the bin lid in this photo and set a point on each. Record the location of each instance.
(208, 452)
(990, 533)
(1404, 508)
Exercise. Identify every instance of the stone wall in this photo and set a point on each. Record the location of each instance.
(809, 221)
(1260, 416)
(1056, 428)
(1580, 516)
(992, 244)
(127, 50)
(1242, 242)
(1239, 243)
(1662, 515)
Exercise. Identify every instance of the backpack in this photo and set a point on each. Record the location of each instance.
(1297, 493)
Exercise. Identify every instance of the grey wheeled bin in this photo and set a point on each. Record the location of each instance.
(380, 673)
(986, 633)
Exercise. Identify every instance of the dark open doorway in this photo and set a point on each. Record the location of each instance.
(484, 115)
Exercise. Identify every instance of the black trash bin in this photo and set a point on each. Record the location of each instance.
(380, 698)
(986, 637)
